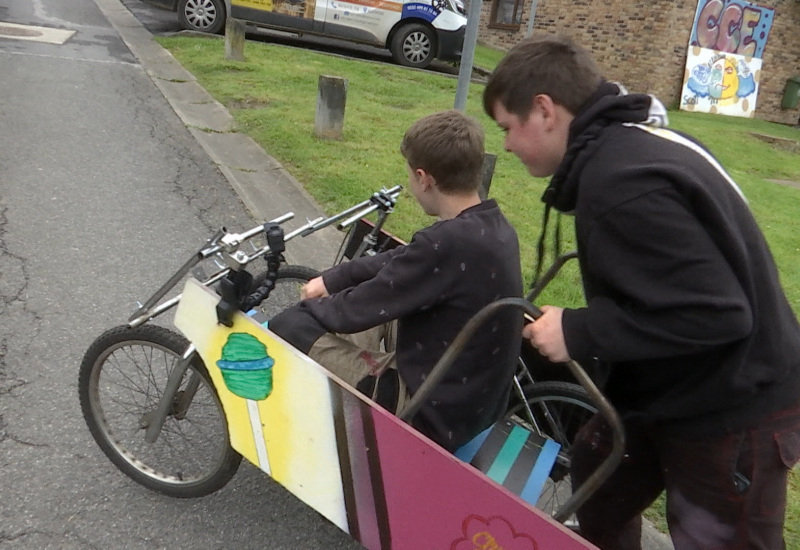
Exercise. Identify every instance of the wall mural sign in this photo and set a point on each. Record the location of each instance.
(723, 65)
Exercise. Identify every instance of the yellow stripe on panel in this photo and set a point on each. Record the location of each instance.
(196, 317)
(287, 430)
(299, 430)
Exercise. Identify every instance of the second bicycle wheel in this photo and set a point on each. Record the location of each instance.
(557, 410)
(122, 378)
(290, 281)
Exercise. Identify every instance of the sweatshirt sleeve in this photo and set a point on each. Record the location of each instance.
(358, 270)
(663, 287)
(412, 279)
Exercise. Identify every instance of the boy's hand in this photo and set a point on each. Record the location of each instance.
(547, 336)
(315, 288)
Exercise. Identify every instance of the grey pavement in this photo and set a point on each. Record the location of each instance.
(264, 186)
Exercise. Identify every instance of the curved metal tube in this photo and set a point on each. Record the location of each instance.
(550, 274)
(604, 407)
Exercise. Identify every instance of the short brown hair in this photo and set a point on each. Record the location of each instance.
(551, 65)
(449, 146)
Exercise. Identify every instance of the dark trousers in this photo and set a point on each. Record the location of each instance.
(723, 492)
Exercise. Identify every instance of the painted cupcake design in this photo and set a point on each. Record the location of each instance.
(246, 367)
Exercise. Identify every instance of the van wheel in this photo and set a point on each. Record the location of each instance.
(202, 15)
(414, 45)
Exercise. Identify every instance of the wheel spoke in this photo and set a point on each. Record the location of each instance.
(417, 47)
(200, 14)
(125, 384)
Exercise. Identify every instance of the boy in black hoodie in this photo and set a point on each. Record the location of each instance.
(415, 299)
(686, 327)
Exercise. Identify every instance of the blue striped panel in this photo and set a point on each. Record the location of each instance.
(468, 451)
(253, 313)
(544, 464)
(508, 454)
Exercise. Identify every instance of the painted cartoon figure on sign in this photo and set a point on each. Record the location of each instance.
(723, 78)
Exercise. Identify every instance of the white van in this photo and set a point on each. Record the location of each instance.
(415, 31)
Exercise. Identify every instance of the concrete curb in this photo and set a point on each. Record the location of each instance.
(263, 185)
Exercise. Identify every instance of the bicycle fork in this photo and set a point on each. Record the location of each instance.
(153, 421)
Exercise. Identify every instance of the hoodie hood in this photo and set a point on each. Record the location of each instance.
(610, 104)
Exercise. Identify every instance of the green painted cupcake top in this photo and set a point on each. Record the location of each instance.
(243, 347)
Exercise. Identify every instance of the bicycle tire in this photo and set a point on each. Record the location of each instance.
(121, 380)
(286, 293)
(559, 410)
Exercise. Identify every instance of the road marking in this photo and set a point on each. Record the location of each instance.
(36, 34)
(74, 58)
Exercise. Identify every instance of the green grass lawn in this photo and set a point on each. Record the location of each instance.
(486, 57)
(272, 97)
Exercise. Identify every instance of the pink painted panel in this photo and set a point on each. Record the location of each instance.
(437, 502)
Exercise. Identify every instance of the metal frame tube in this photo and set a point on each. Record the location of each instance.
(549, 275)
(159, 416)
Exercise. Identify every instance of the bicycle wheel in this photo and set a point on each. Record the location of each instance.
(557, 410)
(122, 378)
(291, 279)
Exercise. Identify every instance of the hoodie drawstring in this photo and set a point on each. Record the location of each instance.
(540, 249)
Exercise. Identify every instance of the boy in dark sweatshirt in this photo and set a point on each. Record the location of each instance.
(686, 326)
(402, 308)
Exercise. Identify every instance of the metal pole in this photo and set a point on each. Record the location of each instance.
(489, 162)
(529, 32)
(468, 54)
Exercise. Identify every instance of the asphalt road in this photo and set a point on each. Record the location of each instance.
(103, 193)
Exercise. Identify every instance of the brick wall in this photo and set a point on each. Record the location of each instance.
(643, 44)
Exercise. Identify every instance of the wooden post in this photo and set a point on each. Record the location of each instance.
(489, 160)
(234, 39)
(331, 99)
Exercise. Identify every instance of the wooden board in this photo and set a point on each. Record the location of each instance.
(356, 464)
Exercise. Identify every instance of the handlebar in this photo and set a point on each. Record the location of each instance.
(221, 241)
(385, 199)
(226, 246)
(549, 275)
